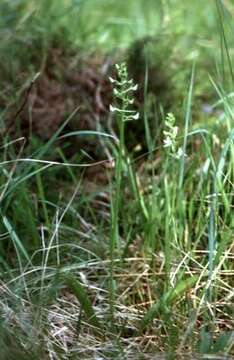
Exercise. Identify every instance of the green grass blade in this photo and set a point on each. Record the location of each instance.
(81, 294)
(186, 128)
(16, 241)
(167, 300)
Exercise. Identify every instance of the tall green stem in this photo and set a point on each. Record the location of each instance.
(123, 87)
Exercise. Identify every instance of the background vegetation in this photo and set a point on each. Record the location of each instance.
(116, 236)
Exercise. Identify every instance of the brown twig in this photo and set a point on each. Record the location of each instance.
(32, 82)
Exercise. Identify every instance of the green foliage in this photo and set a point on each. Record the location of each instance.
(76, 287)
(153, 242)
(167, 301)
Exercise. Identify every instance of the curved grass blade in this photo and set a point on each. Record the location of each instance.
(167, 300)
(19, 247)
(80, 293)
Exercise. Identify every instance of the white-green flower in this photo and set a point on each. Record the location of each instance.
(167, 142)
(170, 134)
(123, 89)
